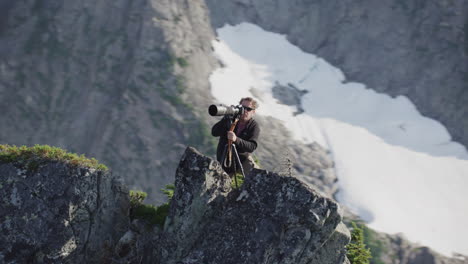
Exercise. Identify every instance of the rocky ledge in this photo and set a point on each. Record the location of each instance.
(56, 212)
(269, 219)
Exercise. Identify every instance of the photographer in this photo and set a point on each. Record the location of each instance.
(244, 136)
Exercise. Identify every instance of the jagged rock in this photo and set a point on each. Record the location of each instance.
(270, 219)
(57, 213)
(111, 79)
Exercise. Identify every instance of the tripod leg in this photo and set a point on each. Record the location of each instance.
(224, 154)
(238, 161)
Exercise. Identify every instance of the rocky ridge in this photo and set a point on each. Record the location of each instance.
(63, 213)
(109, 80)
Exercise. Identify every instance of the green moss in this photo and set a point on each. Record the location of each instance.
(149, 213)
(32, 157)
(257, 161)
(154, 215)
(240, 180)
(137, 197)
(169, 191)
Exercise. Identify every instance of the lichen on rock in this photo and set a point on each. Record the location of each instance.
(59, 213)
(269, 219)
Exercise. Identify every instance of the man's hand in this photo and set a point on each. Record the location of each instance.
(232, 136)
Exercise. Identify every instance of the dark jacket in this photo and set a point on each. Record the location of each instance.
(246, 142)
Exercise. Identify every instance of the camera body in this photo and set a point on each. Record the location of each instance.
(220, 110)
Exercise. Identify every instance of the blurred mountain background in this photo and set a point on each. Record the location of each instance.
(126, 81)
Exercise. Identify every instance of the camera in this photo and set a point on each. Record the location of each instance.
(219, 110)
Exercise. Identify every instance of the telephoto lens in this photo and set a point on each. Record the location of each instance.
(219, 110)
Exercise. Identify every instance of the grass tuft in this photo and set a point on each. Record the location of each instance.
(154, 215)
(240, 180)
(33, 157)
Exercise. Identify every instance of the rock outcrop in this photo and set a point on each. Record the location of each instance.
(57, 213)
(269, 219)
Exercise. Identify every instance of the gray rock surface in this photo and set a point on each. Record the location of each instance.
(413, 48)
(269, 219)
(116, 80)
(60, 214)
(289, 95)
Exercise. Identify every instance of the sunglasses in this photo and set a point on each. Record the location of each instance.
(248, 109)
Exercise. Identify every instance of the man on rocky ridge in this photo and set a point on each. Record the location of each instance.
(244, 136)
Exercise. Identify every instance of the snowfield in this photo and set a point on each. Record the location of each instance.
(397, 169)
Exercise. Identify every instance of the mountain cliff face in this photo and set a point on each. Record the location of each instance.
(413, 48)
(129, 87)
(108, 79)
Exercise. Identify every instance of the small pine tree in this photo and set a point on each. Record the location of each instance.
(357, 251)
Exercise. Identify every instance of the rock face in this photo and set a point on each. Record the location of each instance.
(413, 48)
(60, 214)
(270, 219)
(112, 80)
(56, 213)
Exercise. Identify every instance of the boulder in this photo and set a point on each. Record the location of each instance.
(271, 218)
(57, 213)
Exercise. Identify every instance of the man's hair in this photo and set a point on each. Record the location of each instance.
(250, 99)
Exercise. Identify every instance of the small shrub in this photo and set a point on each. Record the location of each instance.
(257, 161)
(137, 197)
(240, 180)
(154, 215)
(375, 245)
(357, 251)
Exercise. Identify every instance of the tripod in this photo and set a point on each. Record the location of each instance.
(227, 161)
(226, 158)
